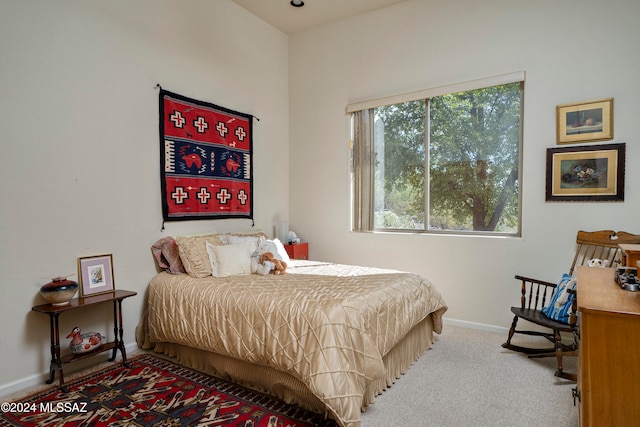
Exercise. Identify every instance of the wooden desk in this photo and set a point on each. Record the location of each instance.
(54, 312)
(608, 386)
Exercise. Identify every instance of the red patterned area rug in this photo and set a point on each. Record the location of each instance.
(154, 392)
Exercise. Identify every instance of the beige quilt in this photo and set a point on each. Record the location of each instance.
(326, 324)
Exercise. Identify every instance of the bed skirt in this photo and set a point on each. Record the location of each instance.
(285, 386)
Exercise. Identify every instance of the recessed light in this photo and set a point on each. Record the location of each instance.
(297, 3)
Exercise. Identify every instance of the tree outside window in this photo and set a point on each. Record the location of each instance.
(449, 163)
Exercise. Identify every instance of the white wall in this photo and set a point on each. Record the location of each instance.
(79, 146)
(571, 51)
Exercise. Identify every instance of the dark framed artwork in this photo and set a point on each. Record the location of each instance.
(584, 121)
(586, 173)
(96, 275)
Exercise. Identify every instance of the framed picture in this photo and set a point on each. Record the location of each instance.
(96, 275)
(586, 121)
(586, 173)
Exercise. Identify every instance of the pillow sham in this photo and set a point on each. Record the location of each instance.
(559, 307)
(193, 253)
(230, 239)
(230, 260)
(193, 250)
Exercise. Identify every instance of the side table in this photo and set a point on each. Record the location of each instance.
(298, 251)
(54, 312)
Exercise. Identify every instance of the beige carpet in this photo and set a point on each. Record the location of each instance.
(468, 379)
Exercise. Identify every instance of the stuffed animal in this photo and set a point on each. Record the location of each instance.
(258, 267)
(595, 262)
(267, 265)
(268, 258)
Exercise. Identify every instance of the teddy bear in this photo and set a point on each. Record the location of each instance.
(264, 266)
(268, 259)
(258, 267)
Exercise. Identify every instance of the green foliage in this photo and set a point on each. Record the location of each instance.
(404, 156)
(474, 142)
(399, 212)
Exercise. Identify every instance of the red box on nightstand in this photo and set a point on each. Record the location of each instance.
(298, 251)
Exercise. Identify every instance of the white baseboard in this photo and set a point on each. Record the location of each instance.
(39, 379)
(475, 325)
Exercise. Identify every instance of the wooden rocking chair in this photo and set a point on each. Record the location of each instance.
(535, 294)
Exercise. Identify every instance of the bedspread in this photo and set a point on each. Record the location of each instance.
(328, 325)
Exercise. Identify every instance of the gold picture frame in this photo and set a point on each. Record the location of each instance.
(584, 121)
(586, 173)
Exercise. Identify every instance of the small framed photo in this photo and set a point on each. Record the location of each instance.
(586, 173)
(96, 275)
(585, 121)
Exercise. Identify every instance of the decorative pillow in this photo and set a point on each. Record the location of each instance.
(559, 308)
(281, 250)
(275, 247)
(167, 255)
(230, 239)
(230, 260)
(258, 234)
(193, 253)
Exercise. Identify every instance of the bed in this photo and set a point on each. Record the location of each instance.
(327, 337)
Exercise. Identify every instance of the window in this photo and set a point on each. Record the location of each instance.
(445, 162)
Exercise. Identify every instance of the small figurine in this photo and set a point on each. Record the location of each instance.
(82, 343)
(595, 262)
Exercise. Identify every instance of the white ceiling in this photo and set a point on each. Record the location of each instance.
(290, 20)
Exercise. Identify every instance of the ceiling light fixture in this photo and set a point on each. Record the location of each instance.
(297, 3)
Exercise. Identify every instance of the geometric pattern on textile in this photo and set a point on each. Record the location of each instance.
(205, 160)
(155, 392)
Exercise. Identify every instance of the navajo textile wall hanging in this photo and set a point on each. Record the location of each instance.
(206, 165)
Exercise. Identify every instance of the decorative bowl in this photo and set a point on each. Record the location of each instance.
(59, 291)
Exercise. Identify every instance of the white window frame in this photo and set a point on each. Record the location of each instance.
(362, 174)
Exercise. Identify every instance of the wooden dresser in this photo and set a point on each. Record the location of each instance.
(608, 387)
(631, 255)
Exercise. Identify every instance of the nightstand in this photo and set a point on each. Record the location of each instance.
(54, 312)
(298, 251)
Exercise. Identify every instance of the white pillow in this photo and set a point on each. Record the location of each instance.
(281, 250)
(230, 260)
(230, 239)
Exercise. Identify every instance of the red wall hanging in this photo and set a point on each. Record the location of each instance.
(205, 160)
